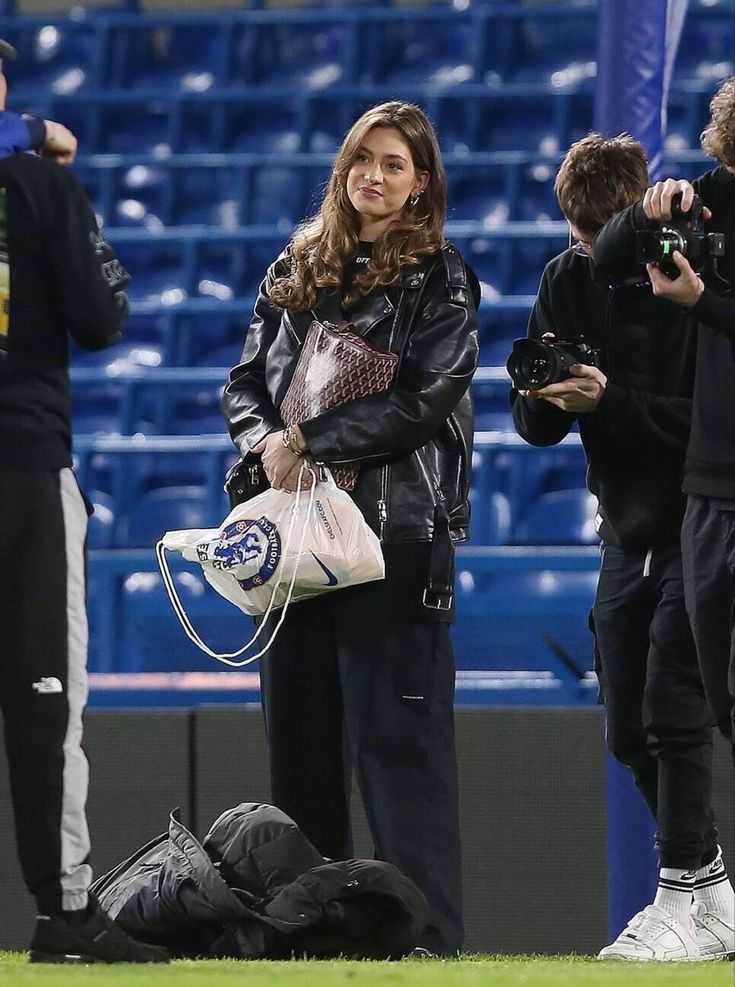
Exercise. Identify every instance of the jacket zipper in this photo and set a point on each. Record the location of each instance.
(463, 453)
(647, 563)
(383, 502)
(437, 494)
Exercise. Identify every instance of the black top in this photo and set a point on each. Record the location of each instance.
(635, 440)
(58, 278)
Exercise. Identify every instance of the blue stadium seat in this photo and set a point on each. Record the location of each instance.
(429, 51)
(166, 509)
(121, 357)
(227, 355)
(160, 274)
(559, 49)
(60, 57)
(312, 55)
(136, 128)
(102, 523)
(153, 640)
(561, 517)
(528, 620)
(187, 56)
(252, 126)
(491, 519)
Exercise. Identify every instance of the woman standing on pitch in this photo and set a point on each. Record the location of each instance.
(363, 678)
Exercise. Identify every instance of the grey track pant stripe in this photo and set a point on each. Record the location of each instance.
(76, 874)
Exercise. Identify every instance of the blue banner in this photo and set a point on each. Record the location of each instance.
(637, 41)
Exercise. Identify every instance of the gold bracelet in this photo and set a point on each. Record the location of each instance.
(289, 441)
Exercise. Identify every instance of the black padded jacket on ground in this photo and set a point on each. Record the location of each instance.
(635, 441)
(414, 442)
(257, 888)
(58, 279)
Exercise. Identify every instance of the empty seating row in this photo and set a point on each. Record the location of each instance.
(173, 264)
(518, 116)
(521, 612)
(514, 116)
(232, 190)
(438, 44)
(129, 392)
(556, 517)
(144, 484)
(207, 331)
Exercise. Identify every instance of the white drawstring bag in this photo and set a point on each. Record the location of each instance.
(276, 549)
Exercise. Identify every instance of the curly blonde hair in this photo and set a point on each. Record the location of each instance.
(323, 244)
(718, 137)
(599, 177)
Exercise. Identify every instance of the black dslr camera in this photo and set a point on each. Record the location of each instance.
(683, 232)
(534, 363)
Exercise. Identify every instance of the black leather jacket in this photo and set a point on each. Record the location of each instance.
(414, 442)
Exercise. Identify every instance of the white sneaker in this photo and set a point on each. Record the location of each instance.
(715, 934)
(654, 934)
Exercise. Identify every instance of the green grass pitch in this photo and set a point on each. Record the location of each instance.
(472, 971)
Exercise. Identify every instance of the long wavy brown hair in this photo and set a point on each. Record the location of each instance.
(323, 244)
(718, 137)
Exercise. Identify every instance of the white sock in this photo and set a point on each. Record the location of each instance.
(713, 887)
(674, 891)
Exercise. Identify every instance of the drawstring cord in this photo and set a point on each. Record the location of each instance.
(191, 633)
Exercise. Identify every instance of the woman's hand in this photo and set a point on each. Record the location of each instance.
(281, 465)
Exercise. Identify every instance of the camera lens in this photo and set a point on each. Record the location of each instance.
(534, 368)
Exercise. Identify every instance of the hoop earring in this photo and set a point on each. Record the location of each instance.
(415, 198)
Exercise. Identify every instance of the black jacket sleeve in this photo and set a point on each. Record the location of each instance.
(89, 280)
(615, 245)
(537, 421)
(437, 368)
(656, 422)
(246, 403)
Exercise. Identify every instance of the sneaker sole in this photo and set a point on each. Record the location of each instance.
(78, 958)
(81, 959)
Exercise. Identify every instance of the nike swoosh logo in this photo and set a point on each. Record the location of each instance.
(331, 578)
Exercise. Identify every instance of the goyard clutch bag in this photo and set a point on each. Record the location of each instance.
(336, 365)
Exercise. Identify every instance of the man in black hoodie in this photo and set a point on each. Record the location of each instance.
(633, 412)
(58, 278)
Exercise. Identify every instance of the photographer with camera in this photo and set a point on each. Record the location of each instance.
(618, 377)
(699, 280)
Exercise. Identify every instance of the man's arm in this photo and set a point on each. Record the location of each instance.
(23, 132)
(713, 309)
(614, 250)
(90, 280)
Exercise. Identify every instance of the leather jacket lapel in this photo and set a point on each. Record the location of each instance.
(370, 311)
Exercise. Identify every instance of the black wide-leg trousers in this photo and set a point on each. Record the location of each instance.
(657, 719)
(346, 686)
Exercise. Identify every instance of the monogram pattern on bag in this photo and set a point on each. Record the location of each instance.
(336, 365)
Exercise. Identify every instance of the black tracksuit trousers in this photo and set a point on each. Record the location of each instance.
(43, 678)
(658, 721)
(708, 549)
(345, 686)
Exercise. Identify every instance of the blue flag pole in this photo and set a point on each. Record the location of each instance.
(637, 41)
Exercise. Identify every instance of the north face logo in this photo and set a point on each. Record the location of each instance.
(49, 684)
